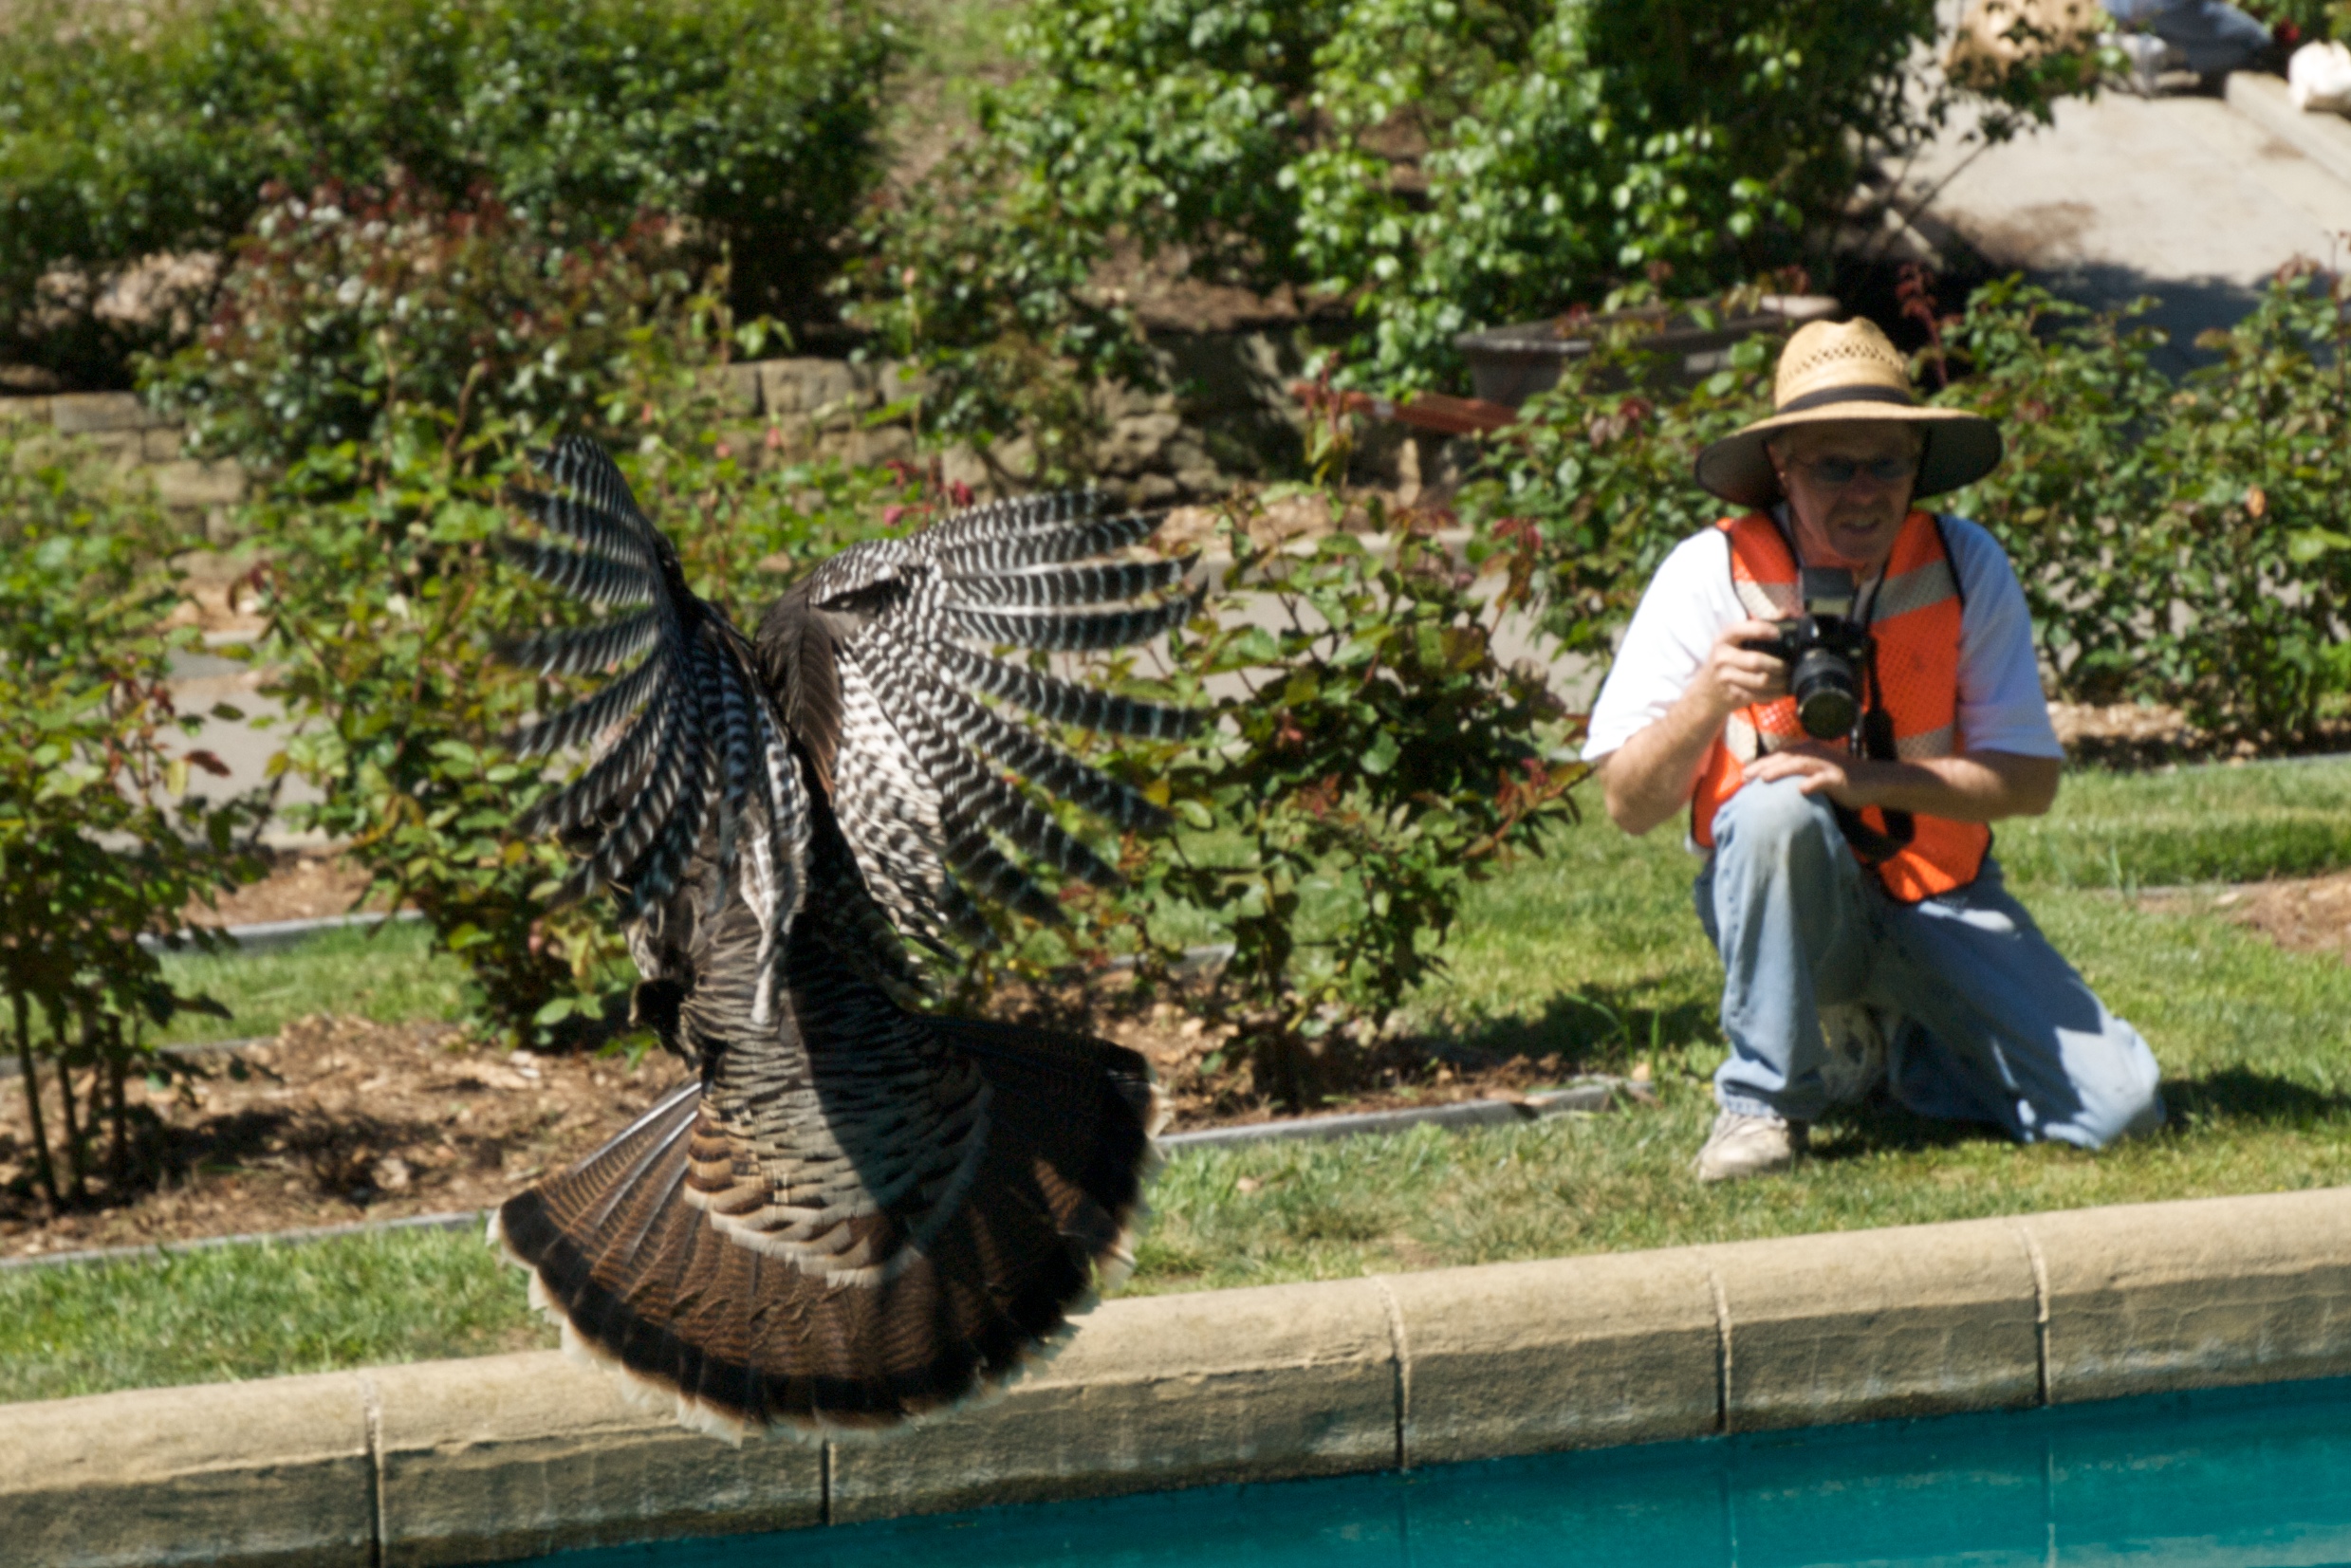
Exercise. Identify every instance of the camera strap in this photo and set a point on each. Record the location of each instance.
(1874, 739)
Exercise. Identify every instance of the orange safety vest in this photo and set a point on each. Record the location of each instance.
(1914, 613)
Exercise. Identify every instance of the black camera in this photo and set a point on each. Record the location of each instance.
(1826, 650)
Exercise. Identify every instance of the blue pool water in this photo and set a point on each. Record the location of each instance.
(2225, 1477)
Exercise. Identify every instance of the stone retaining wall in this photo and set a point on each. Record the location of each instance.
(514, 1456)
(1230, 415)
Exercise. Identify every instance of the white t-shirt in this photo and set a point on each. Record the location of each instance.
(1691, 600)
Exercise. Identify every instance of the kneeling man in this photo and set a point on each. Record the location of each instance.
(1856, 874)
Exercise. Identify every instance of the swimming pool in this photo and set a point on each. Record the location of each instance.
(2213, 1478)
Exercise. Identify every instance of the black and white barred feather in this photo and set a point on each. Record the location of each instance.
(905, 620)
(703, 746)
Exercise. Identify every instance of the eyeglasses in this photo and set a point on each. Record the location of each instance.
(1834, 473)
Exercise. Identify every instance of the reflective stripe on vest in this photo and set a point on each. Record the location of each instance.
(1914, 613)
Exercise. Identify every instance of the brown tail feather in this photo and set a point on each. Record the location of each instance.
(639, 1276)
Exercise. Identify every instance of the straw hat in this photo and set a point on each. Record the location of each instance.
(1839, 371)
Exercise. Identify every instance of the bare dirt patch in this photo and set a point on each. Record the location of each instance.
(335, 1121)
(303, 884)
(2135, 735)
(1209, 1078)
(2301, 914)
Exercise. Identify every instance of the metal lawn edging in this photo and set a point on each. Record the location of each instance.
(508, 1457)
(274, 935)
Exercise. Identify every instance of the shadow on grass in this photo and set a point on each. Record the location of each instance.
(1594, 1026)
(2233, 1096)
(2241, 1094)
(1880, 1125)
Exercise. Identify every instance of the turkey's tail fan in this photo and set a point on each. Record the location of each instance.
(627, 1254)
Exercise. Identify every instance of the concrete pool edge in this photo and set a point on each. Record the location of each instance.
(513, 1456)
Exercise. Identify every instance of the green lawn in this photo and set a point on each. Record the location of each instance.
(1590, 951)
(385, 973)
(258, 1311)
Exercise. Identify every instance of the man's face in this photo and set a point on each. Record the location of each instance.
(1848, 512)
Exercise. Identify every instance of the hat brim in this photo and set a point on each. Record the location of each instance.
(1961, 448)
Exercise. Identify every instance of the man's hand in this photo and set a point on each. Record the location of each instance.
(1821, 769)
(1734, 675)
(1648, 779)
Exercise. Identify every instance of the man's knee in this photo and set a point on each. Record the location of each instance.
(1777, 820)
(2126, 1099)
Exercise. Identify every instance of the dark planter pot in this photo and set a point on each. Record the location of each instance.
(1509, 365)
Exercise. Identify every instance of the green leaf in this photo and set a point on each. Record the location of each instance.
(2308, 544)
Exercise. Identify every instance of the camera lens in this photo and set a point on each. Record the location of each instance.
(1827, 693)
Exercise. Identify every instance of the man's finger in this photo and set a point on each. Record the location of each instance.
(1779, 765)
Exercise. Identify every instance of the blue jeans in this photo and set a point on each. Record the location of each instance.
(2214, 36)
(1996, 1026)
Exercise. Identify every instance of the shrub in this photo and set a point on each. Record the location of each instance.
(100, 840)
(154, 134)
(2180, 542)
(344, 304)
(1598, 469)
(1380, 758)
(1435, 164)
(2183, 543)
(2294, 21)
(1371, 757)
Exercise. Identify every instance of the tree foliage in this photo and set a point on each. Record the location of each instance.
(1432, 164)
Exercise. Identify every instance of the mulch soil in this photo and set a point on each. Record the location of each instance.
(335, 1121)
(2128, 735)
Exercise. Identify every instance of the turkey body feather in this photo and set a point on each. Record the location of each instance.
(855, 1211)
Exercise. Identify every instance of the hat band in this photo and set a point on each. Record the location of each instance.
(1845, 394)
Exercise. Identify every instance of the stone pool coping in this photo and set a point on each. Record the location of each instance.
(514, 1456)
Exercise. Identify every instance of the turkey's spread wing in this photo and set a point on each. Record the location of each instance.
(934, 780)
(699, 794)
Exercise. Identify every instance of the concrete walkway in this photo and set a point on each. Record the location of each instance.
(2185, 197)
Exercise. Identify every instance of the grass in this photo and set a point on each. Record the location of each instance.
(258, 1311)
(387, 975)
(2198, 825)
(1590, 951)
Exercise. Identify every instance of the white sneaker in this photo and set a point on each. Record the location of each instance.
(1742, 1145)
(2147, 54)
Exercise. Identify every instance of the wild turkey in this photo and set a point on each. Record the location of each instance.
(855, 1211)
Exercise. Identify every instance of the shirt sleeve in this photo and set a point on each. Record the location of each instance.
(1682, 611)
(2000, 707)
